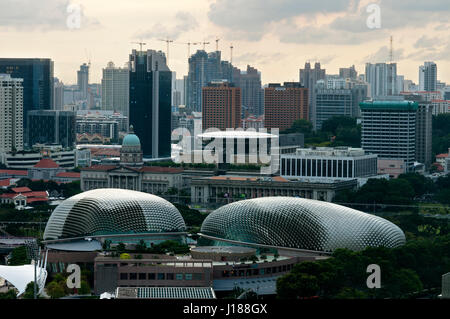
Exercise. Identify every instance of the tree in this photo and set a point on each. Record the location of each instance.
(19, 257)
(55, 290)
(300, 126)
(351, 293)
(10, 294)
(84, 288)
(29, 291)
(297, 285)
(121, 247)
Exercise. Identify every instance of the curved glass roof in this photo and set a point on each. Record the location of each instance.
(112, 211)
(300, 223)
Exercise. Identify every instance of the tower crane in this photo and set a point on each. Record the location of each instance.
(168, 42)
(141, 44)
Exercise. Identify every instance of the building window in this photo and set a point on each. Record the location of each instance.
(133, 276)
(123, 276)
(142, 276)
(169, 276)
(161, 276)
(151, 276)
(198, 276)
(179, 276)
(188, 276)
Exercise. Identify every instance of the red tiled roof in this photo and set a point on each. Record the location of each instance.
(444, 155)
(32, 200)
(21, 190)
(9, 195)
(68, 175)
(5, 182)
(105, 152)
(46, 163)
(99, 168)
(13, 172)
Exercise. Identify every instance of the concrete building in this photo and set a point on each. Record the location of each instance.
(441, 106)
(389, 129)
(51, 127)
(251, 91)
(382, 78)
(326, 163)
(219, 190)
(348, 73)
(391, 167)
(428, 77)
(83, 81)
(115, 89)
(284, 104)
(58, 100)
(11, 114)
(27, 159)
(309, 78)
(221, 106)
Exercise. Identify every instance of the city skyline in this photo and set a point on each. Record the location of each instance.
(335, 33)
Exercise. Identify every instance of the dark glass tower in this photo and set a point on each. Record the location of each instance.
(150, 102)
(51, 127)
(37, 75)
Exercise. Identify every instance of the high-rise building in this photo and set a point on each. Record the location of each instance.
(221, 106)
(58, 100)
(204, 68)
(285, 104)
(382, 79)
(83, 81)
(116, 89)
(150, 102)
(348, 73)
(332, 102)
(37, 75)
(428, 77)
(389, 129)
(51, 127)
(11, 114)
(252, 93)
(309, 78)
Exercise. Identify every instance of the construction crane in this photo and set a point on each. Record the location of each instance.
(168, 42)
(204, 45)
(189, 46)
(140, 44)
(231, 53)
(217, 44)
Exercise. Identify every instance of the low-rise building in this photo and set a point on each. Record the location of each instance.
(392, 167)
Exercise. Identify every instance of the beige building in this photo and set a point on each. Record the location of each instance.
(11, 114)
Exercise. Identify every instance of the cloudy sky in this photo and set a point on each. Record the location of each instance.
(275, 36)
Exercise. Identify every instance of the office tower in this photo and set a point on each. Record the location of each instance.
(348, 73)
(252, 94)
(309, 78)
(389, 129)
(204, 68)
(115, 89)
(58, 100)
(400, 83)
(428, 77)
(37, 75)
(285, 104)
(150, 102)
(221, 107)
(51, 127)
(424, 125)
(332, 102)
(83, 81)
(382, 78)
(177, 92)
(11, 114)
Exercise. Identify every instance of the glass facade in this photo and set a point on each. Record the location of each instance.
(113, 211)
(300, 223)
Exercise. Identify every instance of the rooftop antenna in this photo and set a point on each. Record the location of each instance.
(391, 51)
(217, 44)
(231, 53)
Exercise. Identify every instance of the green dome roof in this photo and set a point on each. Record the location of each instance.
(131, 140)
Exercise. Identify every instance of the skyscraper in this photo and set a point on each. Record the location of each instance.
(348, 73)
(11, 114)
(285, 104)
(204, 68)
(37, 75)
(83, 81)
(382, 79)
(252, 94)
(428, 77)
(389, 129)
(309, 78)
(150, 102)
(58, 100)
(221, 106)
(115, 89)
(51, 127)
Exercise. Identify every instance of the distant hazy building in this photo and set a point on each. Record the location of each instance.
(150, 102)
(51, 127)
(389, 129)
(83, 81)
(58, 100)
(428, 77)
(252, 94)
(204, 68)
(37, 75)
(285, 104)
(11, 114)
(382, 78)
(221, 107)
(115, 89)
(309, 78)
(348, 73)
